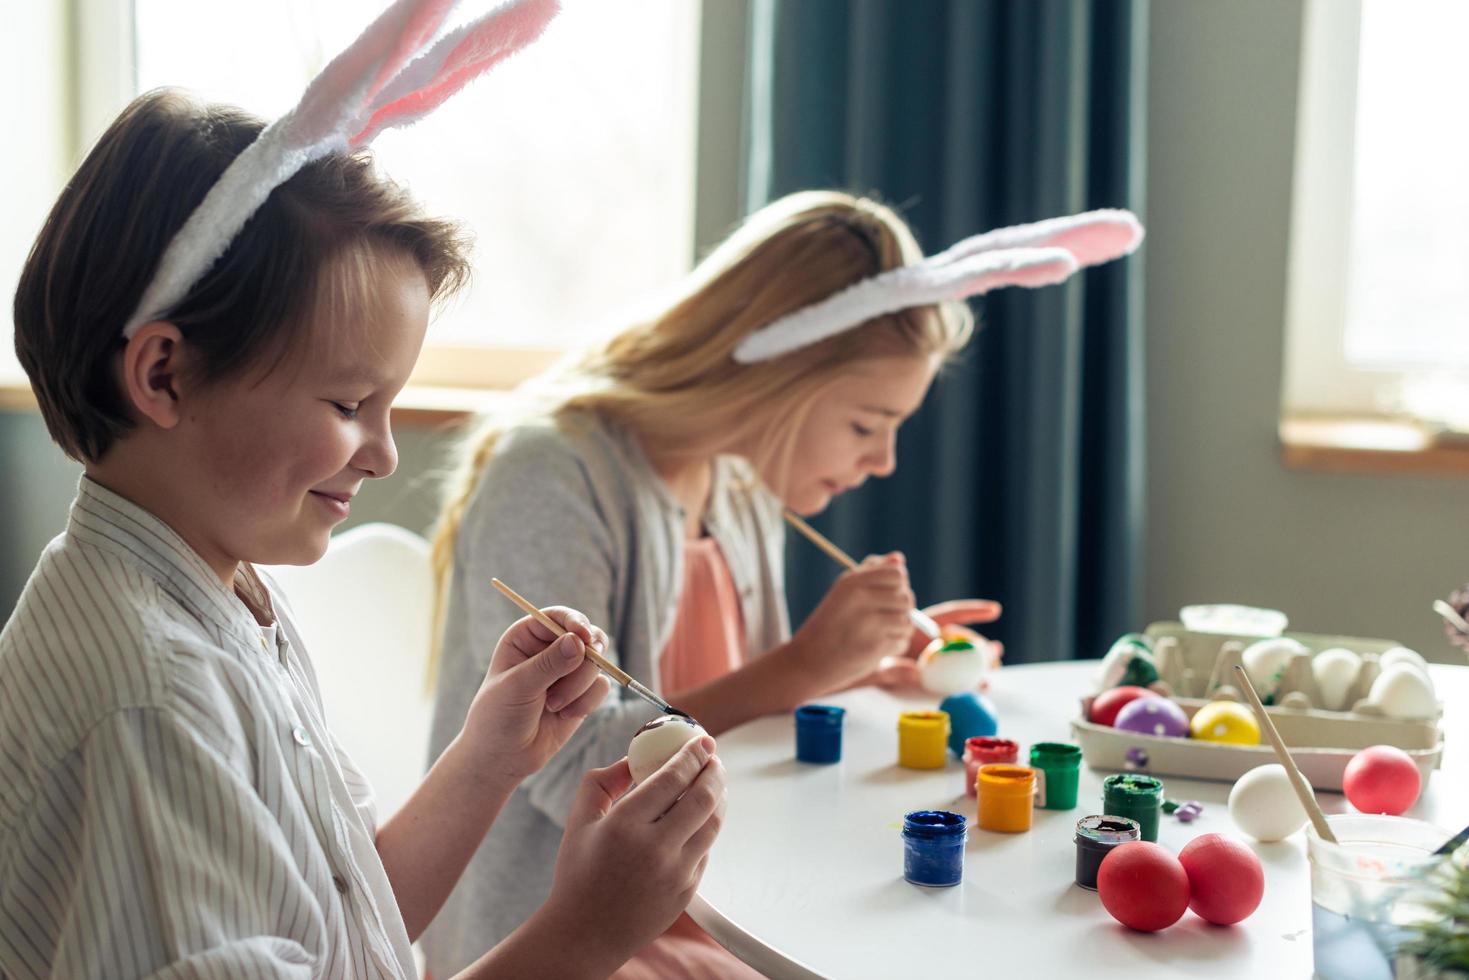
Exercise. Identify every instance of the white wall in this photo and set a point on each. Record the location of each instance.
(1362, 555)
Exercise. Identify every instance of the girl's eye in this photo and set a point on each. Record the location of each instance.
(346, 411)
(861, 430)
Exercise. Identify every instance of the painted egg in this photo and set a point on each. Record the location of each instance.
(1263, 804)
(1225, 878)
(1105, 706)
(1153, 716)
(1336, 671)
(1225, 721)
(952, 666)
(1403, 692)
(1129, 661)
(1382, 779)
(1266, 660)
(657, 741)
(1143, 886)
(1402, 655)
(970, 716)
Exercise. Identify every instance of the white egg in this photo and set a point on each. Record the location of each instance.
(1263, 804)
(1403, 692)
(657, 741)
(952, 667)
(1336, 671)
(1267, 658)
(1402, 655)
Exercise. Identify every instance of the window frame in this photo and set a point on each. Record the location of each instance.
(1318, 379)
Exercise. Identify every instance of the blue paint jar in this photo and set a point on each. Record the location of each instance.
(933, 848)
(970, 716)
(819, 733)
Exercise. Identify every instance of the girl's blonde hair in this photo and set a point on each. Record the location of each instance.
(671, 379)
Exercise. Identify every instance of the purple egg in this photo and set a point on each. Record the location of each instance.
(1153, 716)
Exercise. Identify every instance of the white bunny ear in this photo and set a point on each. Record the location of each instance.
(1093, 237)
(903, 288)
(1038, 254)
(385, 78)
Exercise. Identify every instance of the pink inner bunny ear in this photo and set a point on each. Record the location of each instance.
(463, 56)
(1109, 236)
(1028, 267)
(423, 18)
(339, 93)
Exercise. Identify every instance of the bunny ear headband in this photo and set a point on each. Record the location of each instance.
(392, 75)
(1039, 254)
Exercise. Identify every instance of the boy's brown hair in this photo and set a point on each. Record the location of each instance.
(104, 237)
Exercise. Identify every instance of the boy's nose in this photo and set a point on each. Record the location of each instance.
(378, 457)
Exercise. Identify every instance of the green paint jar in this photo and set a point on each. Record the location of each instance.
(1136, 797)
(1058, 769)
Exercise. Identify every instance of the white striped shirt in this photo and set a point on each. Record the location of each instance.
(171, 801)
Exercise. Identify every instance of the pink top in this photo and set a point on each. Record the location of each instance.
(708, 638)
(707, 642)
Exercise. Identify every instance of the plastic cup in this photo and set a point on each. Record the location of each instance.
(1366, 890)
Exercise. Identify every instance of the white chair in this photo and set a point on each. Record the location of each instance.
(364, 612)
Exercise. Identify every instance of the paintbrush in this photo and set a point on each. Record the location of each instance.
(1297, 780)
(607, 667)
(921, 620)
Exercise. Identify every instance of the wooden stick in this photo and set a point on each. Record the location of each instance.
(920, 619)
(608, 667)
(1451, 614)
(1297, 780)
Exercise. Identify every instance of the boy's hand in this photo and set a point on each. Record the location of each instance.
(631, 860)
(537, 691)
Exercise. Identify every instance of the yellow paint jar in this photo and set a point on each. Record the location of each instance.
(1005, 797)
(923, 739)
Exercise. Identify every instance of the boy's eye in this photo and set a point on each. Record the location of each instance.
(861, 430)
(347, 411)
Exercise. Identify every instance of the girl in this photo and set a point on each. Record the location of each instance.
(645, 480)
(216, 318)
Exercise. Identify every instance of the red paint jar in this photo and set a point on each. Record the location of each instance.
(984, 750)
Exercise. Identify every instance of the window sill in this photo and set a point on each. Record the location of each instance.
(435, 398)
(1341, 444)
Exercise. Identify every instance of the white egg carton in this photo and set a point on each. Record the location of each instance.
(1196, 668)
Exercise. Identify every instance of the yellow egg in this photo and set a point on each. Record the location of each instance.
(1225, 721)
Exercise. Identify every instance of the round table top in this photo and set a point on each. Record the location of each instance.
(806, 878)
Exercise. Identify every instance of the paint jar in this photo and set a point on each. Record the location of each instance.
(921, 738)
(1058, 768)
(819, 733)
(985, 750)
(1095, 836)
(1136, 797)
(1005, 798)
(933, 847)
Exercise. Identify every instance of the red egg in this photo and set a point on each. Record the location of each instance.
(1225, 879)
(1106, 705)
(1143, 886)
(1382, 779)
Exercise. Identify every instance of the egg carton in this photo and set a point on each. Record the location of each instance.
(1197, 668)
(1201, 665)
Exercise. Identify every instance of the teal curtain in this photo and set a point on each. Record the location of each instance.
(1022, 477)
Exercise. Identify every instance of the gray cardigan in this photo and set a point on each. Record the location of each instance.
(572, 513)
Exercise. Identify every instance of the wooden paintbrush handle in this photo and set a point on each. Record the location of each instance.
(1297, 779)
(614, 671)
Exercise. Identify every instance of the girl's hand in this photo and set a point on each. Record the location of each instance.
(537, 691)
(861, 620)
(952, 617)
(630, 861)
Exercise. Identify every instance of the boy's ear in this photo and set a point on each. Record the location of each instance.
(152, 369)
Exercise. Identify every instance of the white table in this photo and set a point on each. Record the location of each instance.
(806, 879)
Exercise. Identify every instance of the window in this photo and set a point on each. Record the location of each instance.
(572, 164)
(1378, 304)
